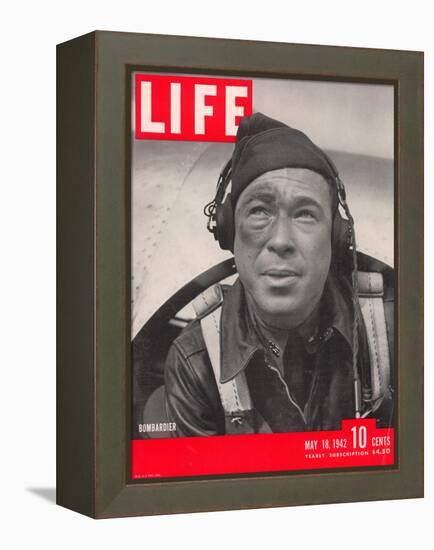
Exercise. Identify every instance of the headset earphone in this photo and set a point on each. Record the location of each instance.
(221, 224)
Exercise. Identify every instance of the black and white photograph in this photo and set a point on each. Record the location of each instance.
(262, 288)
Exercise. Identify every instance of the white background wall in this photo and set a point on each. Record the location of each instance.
(29, 32)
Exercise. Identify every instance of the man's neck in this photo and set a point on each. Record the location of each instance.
(279, 335)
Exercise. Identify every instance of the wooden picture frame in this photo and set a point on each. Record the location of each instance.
(93, 367)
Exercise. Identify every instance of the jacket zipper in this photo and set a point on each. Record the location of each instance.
(314, 380)
(276, 370)
(311, 393)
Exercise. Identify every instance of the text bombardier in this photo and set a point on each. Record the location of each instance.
(286, 347)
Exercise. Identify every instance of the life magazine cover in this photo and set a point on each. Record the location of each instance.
(262, 275)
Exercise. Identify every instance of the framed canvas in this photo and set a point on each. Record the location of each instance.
(240, 274)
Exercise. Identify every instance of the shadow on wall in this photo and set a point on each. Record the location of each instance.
(46, 493)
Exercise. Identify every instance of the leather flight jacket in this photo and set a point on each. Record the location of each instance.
(319, 400)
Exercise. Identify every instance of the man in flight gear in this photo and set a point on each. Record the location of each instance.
(302, 339)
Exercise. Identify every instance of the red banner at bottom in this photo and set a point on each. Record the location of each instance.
(358, 443)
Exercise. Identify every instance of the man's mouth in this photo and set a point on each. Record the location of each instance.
(281, 277)
(281, 272)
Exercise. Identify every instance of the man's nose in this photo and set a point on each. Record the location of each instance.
(281, 238)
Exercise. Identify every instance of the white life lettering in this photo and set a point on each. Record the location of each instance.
(148, 125)
(201, 110)
(175, 108)
(233, 110)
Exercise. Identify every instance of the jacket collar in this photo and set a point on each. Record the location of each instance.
(240, 341)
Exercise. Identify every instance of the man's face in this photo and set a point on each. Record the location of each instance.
(282, 243)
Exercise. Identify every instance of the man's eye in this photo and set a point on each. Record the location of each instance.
(258, 211)
(306, 215)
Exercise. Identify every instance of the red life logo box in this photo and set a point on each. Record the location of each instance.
(190, 108)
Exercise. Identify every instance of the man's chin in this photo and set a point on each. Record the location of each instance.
(281, 313)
